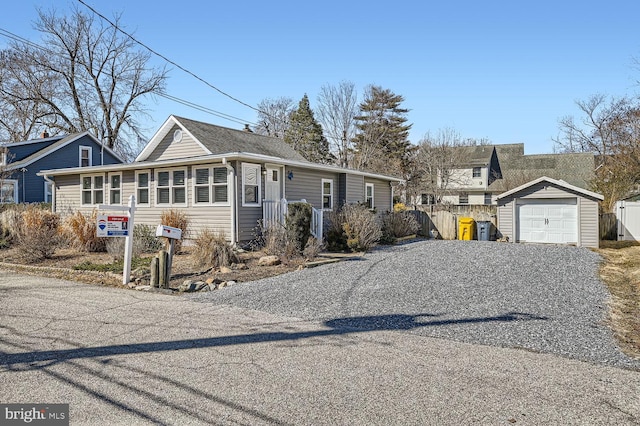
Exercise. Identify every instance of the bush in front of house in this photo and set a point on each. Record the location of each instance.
(144, 241)
(80, 230)
(274, 239)
(298, 224)
(397, 224)
(211, 250)
(176, 219)
(10, 222)
(37, 235)
(353, 227)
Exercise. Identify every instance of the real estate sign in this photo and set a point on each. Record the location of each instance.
(112, 226)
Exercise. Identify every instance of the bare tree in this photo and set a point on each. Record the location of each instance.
(274, 116)
(435, 166)
(337, 108)
(610, 129)
(89, 77)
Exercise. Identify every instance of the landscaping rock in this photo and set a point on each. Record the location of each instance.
(213, 286)
(239, 266)
(269, 261)
(230, 283)
(225, 270)
(213, 281)
(223, 284)
(187, 286)
(199, 285)
(143, 287)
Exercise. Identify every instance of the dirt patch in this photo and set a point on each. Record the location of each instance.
(64, 260)
(620, 271)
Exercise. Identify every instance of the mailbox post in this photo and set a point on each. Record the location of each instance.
(172, 234)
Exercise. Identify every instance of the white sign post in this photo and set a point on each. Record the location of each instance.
(119, 226)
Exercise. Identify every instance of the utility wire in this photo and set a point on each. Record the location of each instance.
(15, 37)
(114, 25)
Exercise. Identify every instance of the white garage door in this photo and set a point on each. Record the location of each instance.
(548, 221)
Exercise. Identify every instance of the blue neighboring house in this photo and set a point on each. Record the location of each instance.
(20, 161)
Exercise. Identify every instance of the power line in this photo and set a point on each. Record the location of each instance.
(165, 95)
(114, 25)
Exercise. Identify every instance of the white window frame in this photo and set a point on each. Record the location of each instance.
(92, 189)
(322, 194)
(258, 168)
(463, 201)
(473, 172)
(211, 184)
(148, 188)
(3, 157)
(366, 195)
(488, 197)
(111, 190)
(171, 187)
(48, 192)
(90, 153)
(14, 182)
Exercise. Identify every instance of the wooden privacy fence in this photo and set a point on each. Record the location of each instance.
(442, 222)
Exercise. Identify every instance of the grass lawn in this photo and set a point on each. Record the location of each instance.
(620, 271)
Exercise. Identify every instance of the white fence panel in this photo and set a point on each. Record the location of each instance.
(628, 213)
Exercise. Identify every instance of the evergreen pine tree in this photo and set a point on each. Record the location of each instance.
(381, 143)
(305, 134)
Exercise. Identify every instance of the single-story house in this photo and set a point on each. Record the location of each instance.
(547, 210)
(20, 163)
(224, 179)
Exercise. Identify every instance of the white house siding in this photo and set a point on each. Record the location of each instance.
(169, 150)
(589, 222)
(506, 218)
(476, 198)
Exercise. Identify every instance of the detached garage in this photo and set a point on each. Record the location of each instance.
(550, 211)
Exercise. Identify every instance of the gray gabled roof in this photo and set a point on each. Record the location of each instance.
(574, 168)
(220, 140)
(556, 182)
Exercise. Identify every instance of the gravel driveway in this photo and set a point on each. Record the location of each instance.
(537, 297)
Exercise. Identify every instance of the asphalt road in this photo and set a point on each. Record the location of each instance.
(123, 357)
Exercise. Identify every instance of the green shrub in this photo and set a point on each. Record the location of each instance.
(298, 224)
(177, 219)
(211, 250)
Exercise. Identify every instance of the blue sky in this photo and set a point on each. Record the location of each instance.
(505, 71)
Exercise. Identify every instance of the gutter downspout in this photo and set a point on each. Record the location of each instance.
(231, 176)
(53, 192)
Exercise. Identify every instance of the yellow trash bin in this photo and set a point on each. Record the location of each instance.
(466, 228)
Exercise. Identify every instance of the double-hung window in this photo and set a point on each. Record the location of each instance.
(142, 187)
(476, 172)
(368, 195)
(210, 186)
(171, 187)
(251, 184)
(8, 191)
(327, 194)
(92, 189)
(115, 188)
(85, 156)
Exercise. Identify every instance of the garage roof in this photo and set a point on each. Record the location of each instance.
(560, 183)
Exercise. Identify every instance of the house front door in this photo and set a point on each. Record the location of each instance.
(273, 183)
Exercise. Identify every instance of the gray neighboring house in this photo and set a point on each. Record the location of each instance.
(224, 179)
(548, 210)
(20, 163)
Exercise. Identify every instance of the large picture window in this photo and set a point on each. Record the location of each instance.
(251, 183)
(327, 194)
(92, 189)
(210, 186)
(171, 187)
